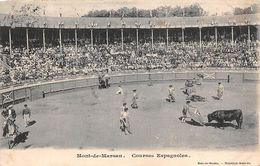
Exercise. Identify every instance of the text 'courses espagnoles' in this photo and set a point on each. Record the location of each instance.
(134, 155)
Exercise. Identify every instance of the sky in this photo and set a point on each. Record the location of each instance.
(70, 8)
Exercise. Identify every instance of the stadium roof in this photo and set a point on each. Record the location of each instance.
(163, 22)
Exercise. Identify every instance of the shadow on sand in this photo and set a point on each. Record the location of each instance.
(21, 138)
(31, 123)
(191, 122)
(28, 146)
(221, 126)
(215, 97)
(215, 125)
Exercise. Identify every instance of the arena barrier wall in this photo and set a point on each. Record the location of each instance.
(39, 90)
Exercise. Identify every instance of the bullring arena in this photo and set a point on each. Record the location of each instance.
(53, 64)
(76, 114)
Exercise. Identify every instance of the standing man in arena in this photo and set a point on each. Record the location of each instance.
(4, 113)
(171, 97)
(12, 128)
(124, 120)
(188, 87)
(220, 91)
(134, 100)
(26, 115)
(107, 78)
(194, 84)
(11, 113)
(9, 128)
(150, 80)
(185, 110)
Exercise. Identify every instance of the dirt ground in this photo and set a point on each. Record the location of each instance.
(89, 118)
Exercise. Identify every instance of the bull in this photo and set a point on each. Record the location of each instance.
(227, 115)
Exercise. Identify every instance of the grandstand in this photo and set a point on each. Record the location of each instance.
(97, 30)
(72, 43)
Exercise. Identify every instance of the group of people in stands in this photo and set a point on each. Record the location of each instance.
(39, 65)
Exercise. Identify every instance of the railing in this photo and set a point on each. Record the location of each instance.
(37, 90)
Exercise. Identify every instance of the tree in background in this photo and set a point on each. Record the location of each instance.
(28, 13)
(161, 11)
(194, 10)
(248, 10)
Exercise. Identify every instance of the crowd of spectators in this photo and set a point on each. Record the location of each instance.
(39, 65)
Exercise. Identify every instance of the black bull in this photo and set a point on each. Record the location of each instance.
(227, 115)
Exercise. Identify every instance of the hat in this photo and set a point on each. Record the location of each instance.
(10, 106)
(25, 105)
(134, 90)
(170, 85)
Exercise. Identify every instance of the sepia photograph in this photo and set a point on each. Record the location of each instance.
(130, 75)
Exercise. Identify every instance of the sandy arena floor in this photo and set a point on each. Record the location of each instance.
(87, 118)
